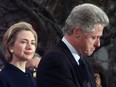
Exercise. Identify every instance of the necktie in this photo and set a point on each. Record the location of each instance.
(84, 72)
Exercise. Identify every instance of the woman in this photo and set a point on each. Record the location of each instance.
(99, 74)
(20, 42)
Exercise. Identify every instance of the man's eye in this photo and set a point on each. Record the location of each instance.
(93, 37)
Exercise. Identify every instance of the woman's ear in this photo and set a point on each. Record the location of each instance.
(11, 49)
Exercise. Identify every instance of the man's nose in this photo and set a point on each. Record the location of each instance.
(97, 43)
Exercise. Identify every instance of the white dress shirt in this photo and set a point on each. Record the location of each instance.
(73, 51)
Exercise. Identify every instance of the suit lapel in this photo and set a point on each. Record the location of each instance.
(78, 74)
(89, 72)
(65, 49)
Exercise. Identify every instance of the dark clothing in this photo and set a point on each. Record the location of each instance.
(58, 68)
(11, 76)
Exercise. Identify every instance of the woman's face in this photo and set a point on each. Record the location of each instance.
(24, 46)
(97, 79)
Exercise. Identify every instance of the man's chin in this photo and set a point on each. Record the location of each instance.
(88, 54)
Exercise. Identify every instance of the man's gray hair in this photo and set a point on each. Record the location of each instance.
(86, 16)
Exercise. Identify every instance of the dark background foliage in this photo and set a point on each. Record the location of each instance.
(48, 18)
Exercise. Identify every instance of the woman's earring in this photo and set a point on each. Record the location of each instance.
(11, 51)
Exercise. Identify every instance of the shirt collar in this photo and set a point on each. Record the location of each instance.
(73, 51)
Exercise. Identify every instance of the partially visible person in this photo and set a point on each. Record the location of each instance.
(2, 60)
(66, 65)
(33, 64)
(20, 42)
(34, 61)
(100, 75)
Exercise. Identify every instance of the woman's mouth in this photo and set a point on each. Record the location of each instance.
(28, 53)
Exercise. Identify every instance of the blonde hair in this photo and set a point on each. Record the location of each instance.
(11, 34)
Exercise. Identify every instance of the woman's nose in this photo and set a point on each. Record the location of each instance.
(29, 46)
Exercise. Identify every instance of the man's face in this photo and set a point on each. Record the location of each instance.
(88, 42)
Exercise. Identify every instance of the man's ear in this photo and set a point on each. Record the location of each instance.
(77, 32)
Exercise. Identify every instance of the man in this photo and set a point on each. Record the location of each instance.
(60, 67)
(33, 64)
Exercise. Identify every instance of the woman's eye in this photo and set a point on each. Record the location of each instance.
(23, 42)
(33, 43)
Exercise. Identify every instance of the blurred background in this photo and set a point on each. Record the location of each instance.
(48, 17)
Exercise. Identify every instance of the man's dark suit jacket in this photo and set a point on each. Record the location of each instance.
(58, 68)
